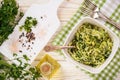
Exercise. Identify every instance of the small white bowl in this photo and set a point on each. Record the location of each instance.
(113, 36)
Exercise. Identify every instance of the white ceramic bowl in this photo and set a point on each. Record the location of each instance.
(112, 35)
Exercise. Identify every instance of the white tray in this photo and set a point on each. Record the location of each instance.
(48, 23)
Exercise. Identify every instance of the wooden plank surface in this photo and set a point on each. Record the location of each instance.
(66, 10)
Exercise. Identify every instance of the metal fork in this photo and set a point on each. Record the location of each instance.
(89, 8)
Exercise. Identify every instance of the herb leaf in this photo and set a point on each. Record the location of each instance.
(8, 12)
(28, 24)
(23, 71)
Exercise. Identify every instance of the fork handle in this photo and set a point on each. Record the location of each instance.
(105, 18)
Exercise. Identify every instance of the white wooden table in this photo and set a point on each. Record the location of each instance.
(66, 10)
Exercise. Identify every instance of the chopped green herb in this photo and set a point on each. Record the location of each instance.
(28, 24)
(23, 71)
(93, 45)
(8, 13)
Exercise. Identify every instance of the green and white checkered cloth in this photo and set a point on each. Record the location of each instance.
(110, 8)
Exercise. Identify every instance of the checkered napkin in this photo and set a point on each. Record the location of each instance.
(110, 8)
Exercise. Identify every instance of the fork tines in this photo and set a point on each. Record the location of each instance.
(89, 4)
(85, 11)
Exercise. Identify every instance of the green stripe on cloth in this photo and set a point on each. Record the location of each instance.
(110, 72)
(99, 3)
(116, 17)
(59, 39)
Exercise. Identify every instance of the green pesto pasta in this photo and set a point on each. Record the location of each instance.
(93, 45)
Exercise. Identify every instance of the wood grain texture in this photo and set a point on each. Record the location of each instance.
(68, 71)
(66, 10)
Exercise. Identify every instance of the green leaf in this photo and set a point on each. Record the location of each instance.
(23, 71)
(2, 76)
(8, 12)
(4, 64)
(26, 58)
(14, 54)
(28, 24)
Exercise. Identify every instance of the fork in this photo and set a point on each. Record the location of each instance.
(89, 8)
